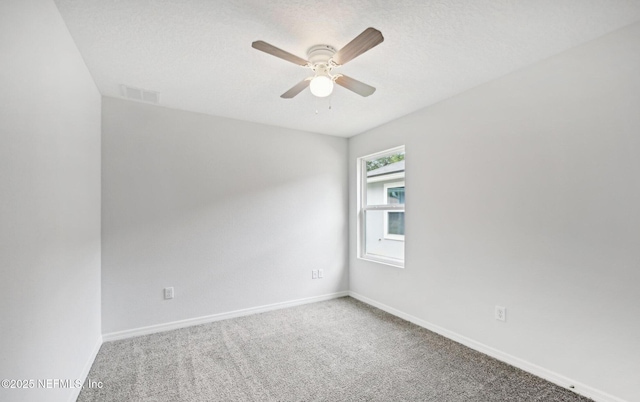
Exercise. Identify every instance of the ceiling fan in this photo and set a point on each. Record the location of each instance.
(322, 60)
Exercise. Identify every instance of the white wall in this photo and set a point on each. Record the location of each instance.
(231, 214)
(525, 192)
(49, 202)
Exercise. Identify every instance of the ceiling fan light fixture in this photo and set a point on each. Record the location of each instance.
(321, 86)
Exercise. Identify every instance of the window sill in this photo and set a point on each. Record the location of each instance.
(394, 237)
(382, 260)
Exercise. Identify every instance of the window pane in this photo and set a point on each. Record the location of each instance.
(375, 193)
(395, 195)
(381, 173)
(376, 242)
(396, 223)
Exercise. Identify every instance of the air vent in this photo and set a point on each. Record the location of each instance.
(141, 95)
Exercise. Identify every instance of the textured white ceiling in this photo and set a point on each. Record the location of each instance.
(198, 55)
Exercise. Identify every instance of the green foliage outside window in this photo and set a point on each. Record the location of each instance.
(384, 161)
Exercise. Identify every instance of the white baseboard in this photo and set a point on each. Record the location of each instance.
(75, 392)
(114, 336)
(536, 370)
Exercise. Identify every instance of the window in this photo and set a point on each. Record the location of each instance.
(381, 202)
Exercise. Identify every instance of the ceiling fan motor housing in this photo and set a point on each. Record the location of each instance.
(320, 54)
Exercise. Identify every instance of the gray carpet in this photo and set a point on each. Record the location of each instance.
(338, 350)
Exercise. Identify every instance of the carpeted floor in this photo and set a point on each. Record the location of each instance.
(338, 350)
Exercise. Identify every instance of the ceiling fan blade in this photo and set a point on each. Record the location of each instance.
(368, 39)
(354, 85)
(296, 89)
(274, 51)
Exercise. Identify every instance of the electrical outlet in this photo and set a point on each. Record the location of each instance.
(501, 313)
(321, 273)
(168, 293)
(314, 274)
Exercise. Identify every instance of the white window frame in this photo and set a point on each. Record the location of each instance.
(385, 218)
(363, 207)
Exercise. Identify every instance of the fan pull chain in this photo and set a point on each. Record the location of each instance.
(318, 102)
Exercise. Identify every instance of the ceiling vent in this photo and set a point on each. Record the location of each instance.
(141, 95)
